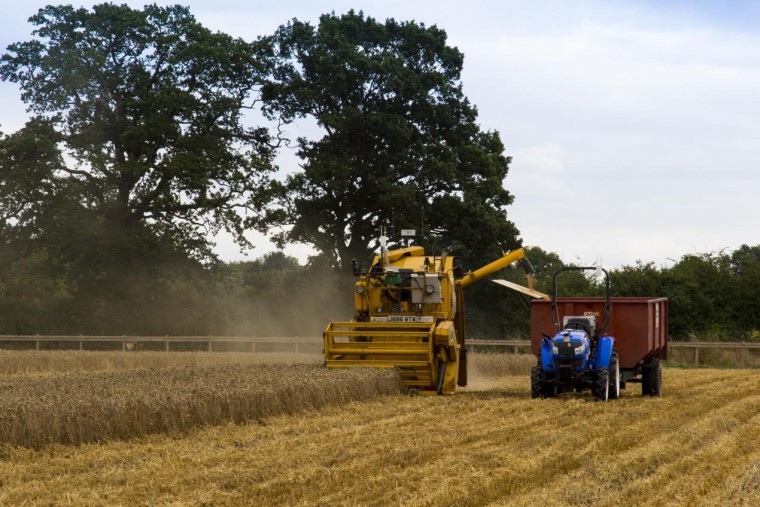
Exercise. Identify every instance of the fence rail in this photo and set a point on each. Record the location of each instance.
(248, 343)
(296, 344)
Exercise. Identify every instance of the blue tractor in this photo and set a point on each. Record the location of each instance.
(580, 355)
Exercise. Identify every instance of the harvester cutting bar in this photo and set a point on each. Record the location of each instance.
(406, 346)
(411, 373)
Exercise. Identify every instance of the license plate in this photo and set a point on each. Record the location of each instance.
(403, 318)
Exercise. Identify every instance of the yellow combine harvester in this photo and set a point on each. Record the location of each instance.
(410, 316)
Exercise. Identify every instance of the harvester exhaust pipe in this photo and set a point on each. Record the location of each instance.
(384, 250)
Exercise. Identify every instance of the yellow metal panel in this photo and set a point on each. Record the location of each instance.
(444, 334)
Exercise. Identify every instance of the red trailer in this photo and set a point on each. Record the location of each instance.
(638, 324)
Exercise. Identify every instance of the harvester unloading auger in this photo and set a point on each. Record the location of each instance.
(410, 316)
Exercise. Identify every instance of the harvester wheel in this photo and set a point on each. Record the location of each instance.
(651, 378)
(614, 376)
(601, 387)
(441, 376)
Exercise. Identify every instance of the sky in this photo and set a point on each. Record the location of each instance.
(633, 126)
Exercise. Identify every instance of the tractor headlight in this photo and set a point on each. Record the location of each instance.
(579, 350)
(555, 350)
(360, 289)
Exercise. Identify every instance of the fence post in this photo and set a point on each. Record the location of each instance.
(696, 357)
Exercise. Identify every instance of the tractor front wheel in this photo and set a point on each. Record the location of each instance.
(539, 387)
(536, 385)
(614, 376)
(601, 387)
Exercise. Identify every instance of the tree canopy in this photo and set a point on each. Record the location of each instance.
(140, 124)
(400, 146)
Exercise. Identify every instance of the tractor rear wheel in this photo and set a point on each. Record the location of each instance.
(614, 376)
(601, 387)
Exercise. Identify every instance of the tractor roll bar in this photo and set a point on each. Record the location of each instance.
(607, 306)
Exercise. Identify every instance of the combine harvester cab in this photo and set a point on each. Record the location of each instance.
(410, 316)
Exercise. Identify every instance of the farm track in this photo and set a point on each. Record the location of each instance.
(493, 445)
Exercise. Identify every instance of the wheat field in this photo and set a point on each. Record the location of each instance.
(489, 444)
(14, 362)
(81, 407)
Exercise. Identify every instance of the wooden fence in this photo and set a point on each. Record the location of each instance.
(166, 343)
(265, 344)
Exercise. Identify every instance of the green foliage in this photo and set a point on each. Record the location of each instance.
(709, 294)
(146, 106)
(401, 143)
(137, 152)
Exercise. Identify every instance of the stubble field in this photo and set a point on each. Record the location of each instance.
(489, 444)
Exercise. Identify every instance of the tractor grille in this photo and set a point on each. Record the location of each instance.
(566, 355)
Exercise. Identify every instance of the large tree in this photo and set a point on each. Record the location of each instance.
(139, 115)
(399, 143)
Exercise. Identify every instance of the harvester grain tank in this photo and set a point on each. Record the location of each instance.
(598, 343)
(409, 315)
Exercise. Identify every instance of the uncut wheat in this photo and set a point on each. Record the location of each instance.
(75, 408)
(14, 362)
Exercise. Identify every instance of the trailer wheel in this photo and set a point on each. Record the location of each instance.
(651, 378)
(614, 376)
(601, 387)
(657, 378)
